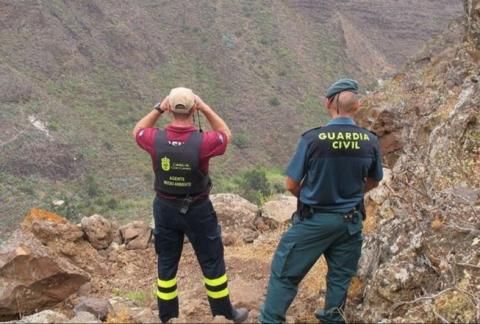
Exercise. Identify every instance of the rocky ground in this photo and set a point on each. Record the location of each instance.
(110, 272)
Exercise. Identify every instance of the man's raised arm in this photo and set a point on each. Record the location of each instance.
(215, 121)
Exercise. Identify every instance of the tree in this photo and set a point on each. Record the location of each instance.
(255, 185)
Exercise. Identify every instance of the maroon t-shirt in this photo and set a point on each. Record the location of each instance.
(214, 143)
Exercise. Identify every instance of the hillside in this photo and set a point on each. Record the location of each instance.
(75, 77)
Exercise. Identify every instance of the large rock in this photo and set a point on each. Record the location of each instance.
(278, 211)
(45, 317)
(98, 230)
(97, 306)
(34, 277)
(136, 235)
(49, 227)
(84, 317)
(234, 212)
(63, 238)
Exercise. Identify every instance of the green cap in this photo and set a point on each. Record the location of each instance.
(340, 86)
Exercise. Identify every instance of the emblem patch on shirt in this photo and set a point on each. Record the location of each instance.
(165, 164)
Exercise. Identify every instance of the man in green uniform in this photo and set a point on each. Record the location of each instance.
(333, 167)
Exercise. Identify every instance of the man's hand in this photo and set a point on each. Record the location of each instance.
(200, 104)
(217, 123)
(151, 118)
(165, 105)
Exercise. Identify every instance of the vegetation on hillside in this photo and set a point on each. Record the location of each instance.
(75, 77)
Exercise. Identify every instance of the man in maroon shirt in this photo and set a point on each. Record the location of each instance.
(180, 156)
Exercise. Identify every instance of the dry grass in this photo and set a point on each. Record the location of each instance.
(123, 316)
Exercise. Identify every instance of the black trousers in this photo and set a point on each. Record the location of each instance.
(201, 226)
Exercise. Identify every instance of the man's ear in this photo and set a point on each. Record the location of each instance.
(358, 105)
(328, 102)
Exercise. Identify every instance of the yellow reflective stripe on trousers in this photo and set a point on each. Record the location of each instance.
(167, 296)
(216, 282)
(217, 294)
(166, 283)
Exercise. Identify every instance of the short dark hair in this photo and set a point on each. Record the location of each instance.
(182, 116)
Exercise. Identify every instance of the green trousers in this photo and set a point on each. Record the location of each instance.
(339, 239)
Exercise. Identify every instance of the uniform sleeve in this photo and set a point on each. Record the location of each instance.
(146, 139)
(376, 170)
(214, 144)
(297, 166)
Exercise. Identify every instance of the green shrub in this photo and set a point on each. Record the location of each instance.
(112, 203)
(274, 101)
(255, 185)
(92, 187)
(240, 140)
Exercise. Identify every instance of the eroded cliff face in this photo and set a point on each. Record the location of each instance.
(472, 8)
(421, 262)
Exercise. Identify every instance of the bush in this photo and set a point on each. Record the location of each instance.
(92, 187)
(274, 101)
(240, 140)
(255, 186)
(112, 203)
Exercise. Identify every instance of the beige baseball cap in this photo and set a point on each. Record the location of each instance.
(181, 100)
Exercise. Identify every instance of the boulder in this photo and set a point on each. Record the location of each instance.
(64, 238)
(84, 317)
(96, 306)
(47, 316)
(235, 214)
(34, 277)
(98, 231)
(278, 211)
(136, 235)
(49, 227)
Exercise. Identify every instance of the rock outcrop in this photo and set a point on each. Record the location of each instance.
(34, 277)
(420, 262)
(473, 20)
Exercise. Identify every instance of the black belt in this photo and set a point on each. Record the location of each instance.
(306, 211)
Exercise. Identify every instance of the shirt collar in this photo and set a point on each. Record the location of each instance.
(181, 129)
(341, 121)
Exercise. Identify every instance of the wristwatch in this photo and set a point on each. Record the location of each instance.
(157, 108)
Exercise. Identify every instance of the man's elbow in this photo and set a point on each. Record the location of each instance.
(228, 135)
(135, 132)
(371, 184)
(291, 185)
